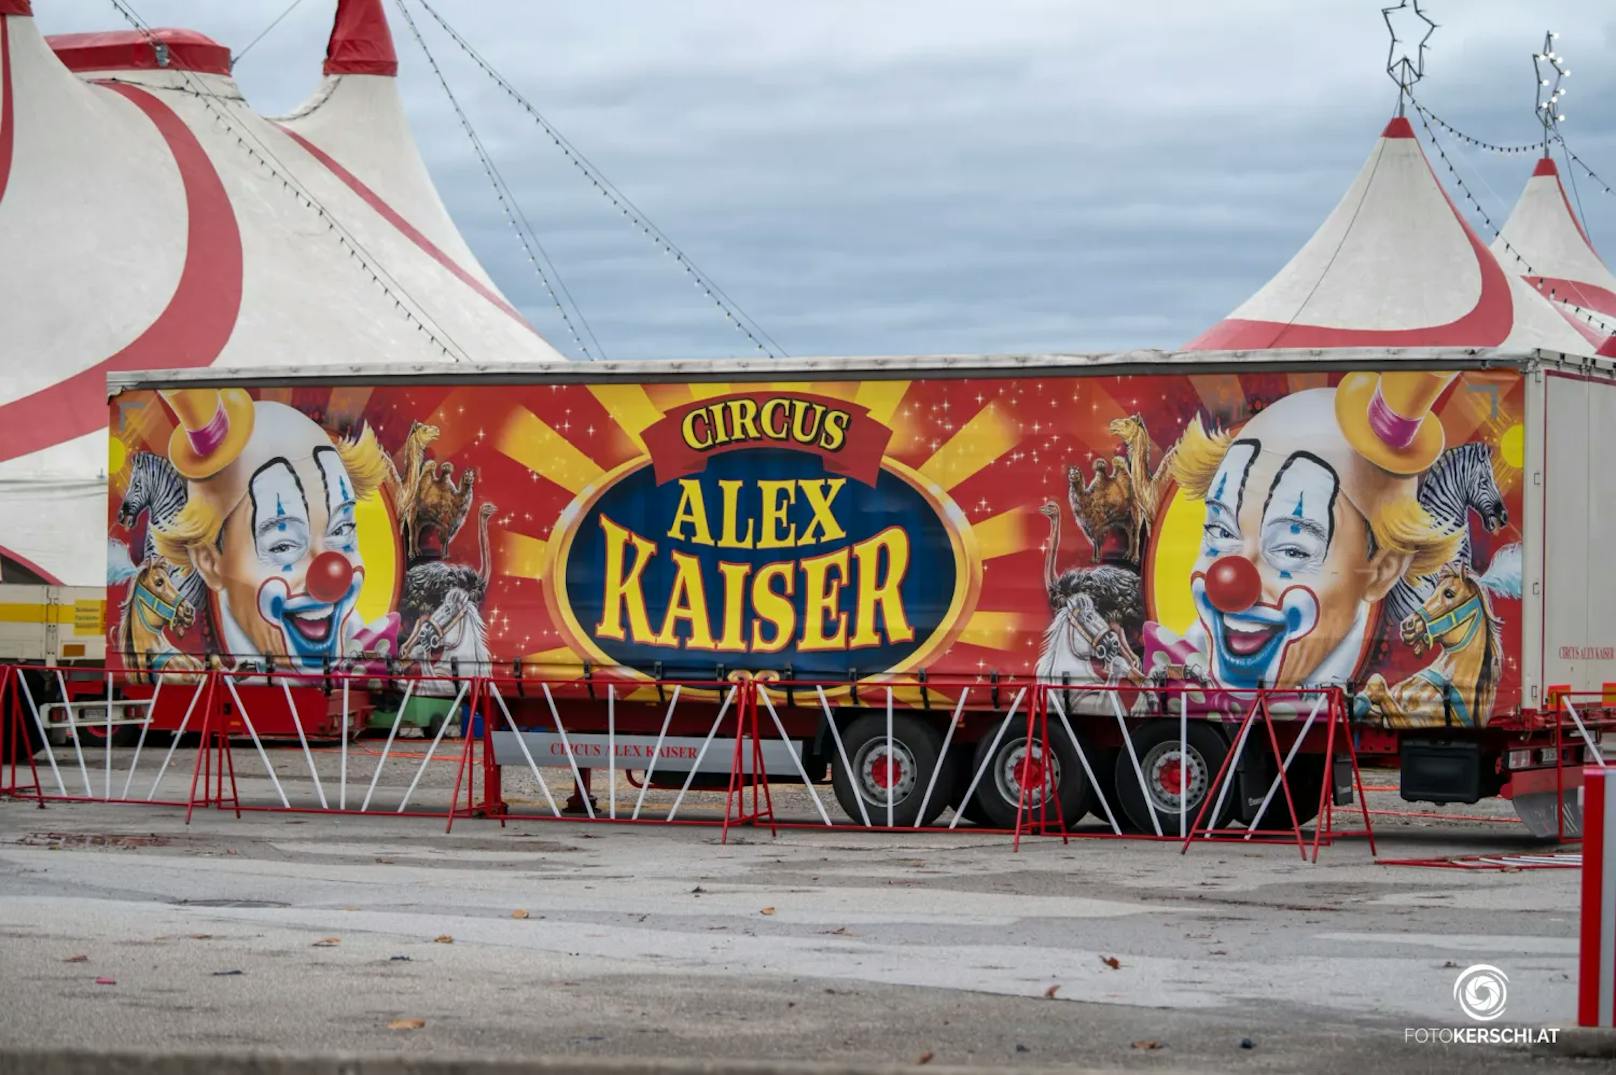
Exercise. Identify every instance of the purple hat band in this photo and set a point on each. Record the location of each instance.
(205, 440)
(1392, 428)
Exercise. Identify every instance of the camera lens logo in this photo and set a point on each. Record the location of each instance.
(1482, 990)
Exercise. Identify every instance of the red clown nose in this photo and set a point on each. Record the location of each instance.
(1232, 584)
(330, 575)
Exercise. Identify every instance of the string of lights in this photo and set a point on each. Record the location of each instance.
(1527, 147)
(1597, 323)
(620, 201)
(507, 202)
(265, 158)
(1606, 187)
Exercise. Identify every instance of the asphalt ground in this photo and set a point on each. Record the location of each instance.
(289, 936)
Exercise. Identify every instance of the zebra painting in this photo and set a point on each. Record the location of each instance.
(157, 491)
(1459, 482)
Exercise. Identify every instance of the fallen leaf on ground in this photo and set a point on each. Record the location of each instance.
(443, 938)
(925, 1057)
(106, 981)
(326, 942)
(1147, 1044)
(1052, 990)
(1111, 961)
(767, 910)
(518, 913)
(76, 959)
(698, 890)
(406, 1024)
(201, 936)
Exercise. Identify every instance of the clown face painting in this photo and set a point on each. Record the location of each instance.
(270, 527)
(287, 567)
(1302, 536)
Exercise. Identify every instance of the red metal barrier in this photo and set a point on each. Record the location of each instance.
(902, 751)
(1596, 973)
(1579, 719)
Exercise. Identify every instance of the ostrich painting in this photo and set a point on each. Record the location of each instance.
(1097, 616)
(440, 610)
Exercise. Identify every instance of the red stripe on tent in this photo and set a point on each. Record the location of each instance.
(15, 7)
(1486, 325)
(191, 330)
(1588, 296)
(409, 231)
(49, 576)
(5, 100)
(361, 43)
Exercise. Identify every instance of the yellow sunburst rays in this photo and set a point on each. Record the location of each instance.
(529, 440)
(346, 404)
(455, 429)
(1222, 394)
(990, 434)
(1301, 382)
(141, 423)
(1094, 409)
(1484, 406)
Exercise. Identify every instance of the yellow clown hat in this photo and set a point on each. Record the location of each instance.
(214, 425)
(1387, 417)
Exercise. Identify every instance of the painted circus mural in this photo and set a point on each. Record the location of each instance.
(1230, 530)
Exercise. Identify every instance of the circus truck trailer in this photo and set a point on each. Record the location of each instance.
(1424, 530)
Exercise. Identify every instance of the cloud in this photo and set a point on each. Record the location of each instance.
(922, 176)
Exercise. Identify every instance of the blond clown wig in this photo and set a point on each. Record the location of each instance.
(200, 521)
(1399, 523)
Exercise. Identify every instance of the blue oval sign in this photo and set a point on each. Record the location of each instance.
(771, 556)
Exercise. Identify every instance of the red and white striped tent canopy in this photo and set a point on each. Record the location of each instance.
(149, 218)
(1394, 265)
(1547, 244)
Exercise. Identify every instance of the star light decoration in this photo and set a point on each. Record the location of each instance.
(1545, 64)
(1400, 67)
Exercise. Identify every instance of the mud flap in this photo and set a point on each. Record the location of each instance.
(1546, 814)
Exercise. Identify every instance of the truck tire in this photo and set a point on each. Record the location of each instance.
(1305, 777)
(915, 746)
(94, 736)
(999, 790)
(1156, 743)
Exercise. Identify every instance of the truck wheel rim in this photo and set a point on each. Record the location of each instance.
(883, 773)
(1044, 776)
(1171, 784)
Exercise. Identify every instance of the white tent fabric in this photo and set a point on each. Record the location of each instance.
(1394, 265)
(1556, 257)
(149, 218)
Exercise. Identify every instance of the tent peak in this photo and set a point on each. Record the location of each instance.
(361, 43)
(1399, 127)
(139, 50)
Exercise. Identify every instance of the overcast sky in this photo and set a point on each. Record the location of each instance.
(910, 176)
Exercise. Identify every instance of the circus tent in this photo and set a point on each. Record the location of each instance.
(1548, 245)
(1394, 265)
(149, 218)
